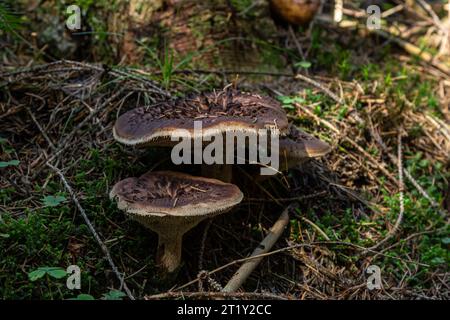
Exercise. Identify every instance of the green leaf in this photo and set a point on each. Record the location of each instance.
(318, 110)
(446, 240)
(303, 64)
(83, 296)
(289, 100)
(4, 235)
(288, 107)
(36, 274)
(4, 164)
(437, 261)
(57, 273)
(424, 163)
(114, 295)
(53, 201)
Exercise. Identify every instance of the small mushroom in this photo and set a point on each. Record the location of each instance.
(170, 204)
(220, 112)
(298, 146)
(294, 149)
(294, 12)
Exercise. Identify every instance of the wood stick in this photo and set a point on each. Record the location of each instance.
(393, 35)
(413, 49)
(408, 175)
(247, 268)
(319, 86)
(94, 233)
(399, 220)
(215, 295)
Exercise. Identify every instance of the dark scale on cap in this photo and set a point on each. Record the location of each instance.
(173, 191)
(170, 204)
(227, 109)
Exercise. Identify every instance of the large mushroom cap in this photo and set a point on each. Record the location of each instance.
(171, 195)
(227, 110)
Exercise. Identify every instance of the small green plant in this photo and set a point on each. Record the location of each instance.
(83, 296)
(111, 295)
(114, 295)
(241, 5)
(303, 64)
(167, 68)
(167, 65)
(54, 272)
(288, 102)
(53, 201)
(8, 20)
(4, 164)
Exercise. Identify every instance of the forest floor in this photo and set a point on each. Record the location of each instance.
(359, 91)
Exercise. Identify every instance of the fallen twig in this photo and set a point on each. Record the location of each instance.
(296, 42)
(222, 295)
(319, 86)
(401, 197)
(411, 179)
(94, 233)
(315, 244)
(247, 268)
(393, 35)
(127, 73)
(316, 227)
(306, 197)
(38, 125)
(413, 49)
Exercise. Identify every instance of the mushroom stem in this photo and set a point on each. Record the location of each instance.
(222, 172)
(168, 255)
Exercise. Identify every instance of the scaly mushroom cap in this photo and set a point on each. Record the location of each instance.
(298, 146)
(174, 196)
(170, 204)
(295, 12)
(227, 110)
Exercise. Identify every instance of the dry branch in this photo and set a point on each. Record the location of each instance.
(392, 232)
(408, 175)
(221, 295)
(319, 86)
(247, 268)
(393, 35)
(94, 233)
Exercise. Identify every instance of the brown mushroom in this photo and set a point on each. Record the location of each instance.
(294, 149)
(170, 204)
(294, 12)
(298, 146)
(220, 112)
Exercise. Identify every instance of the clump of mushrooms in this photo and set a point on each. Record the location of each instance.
(172, 203)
